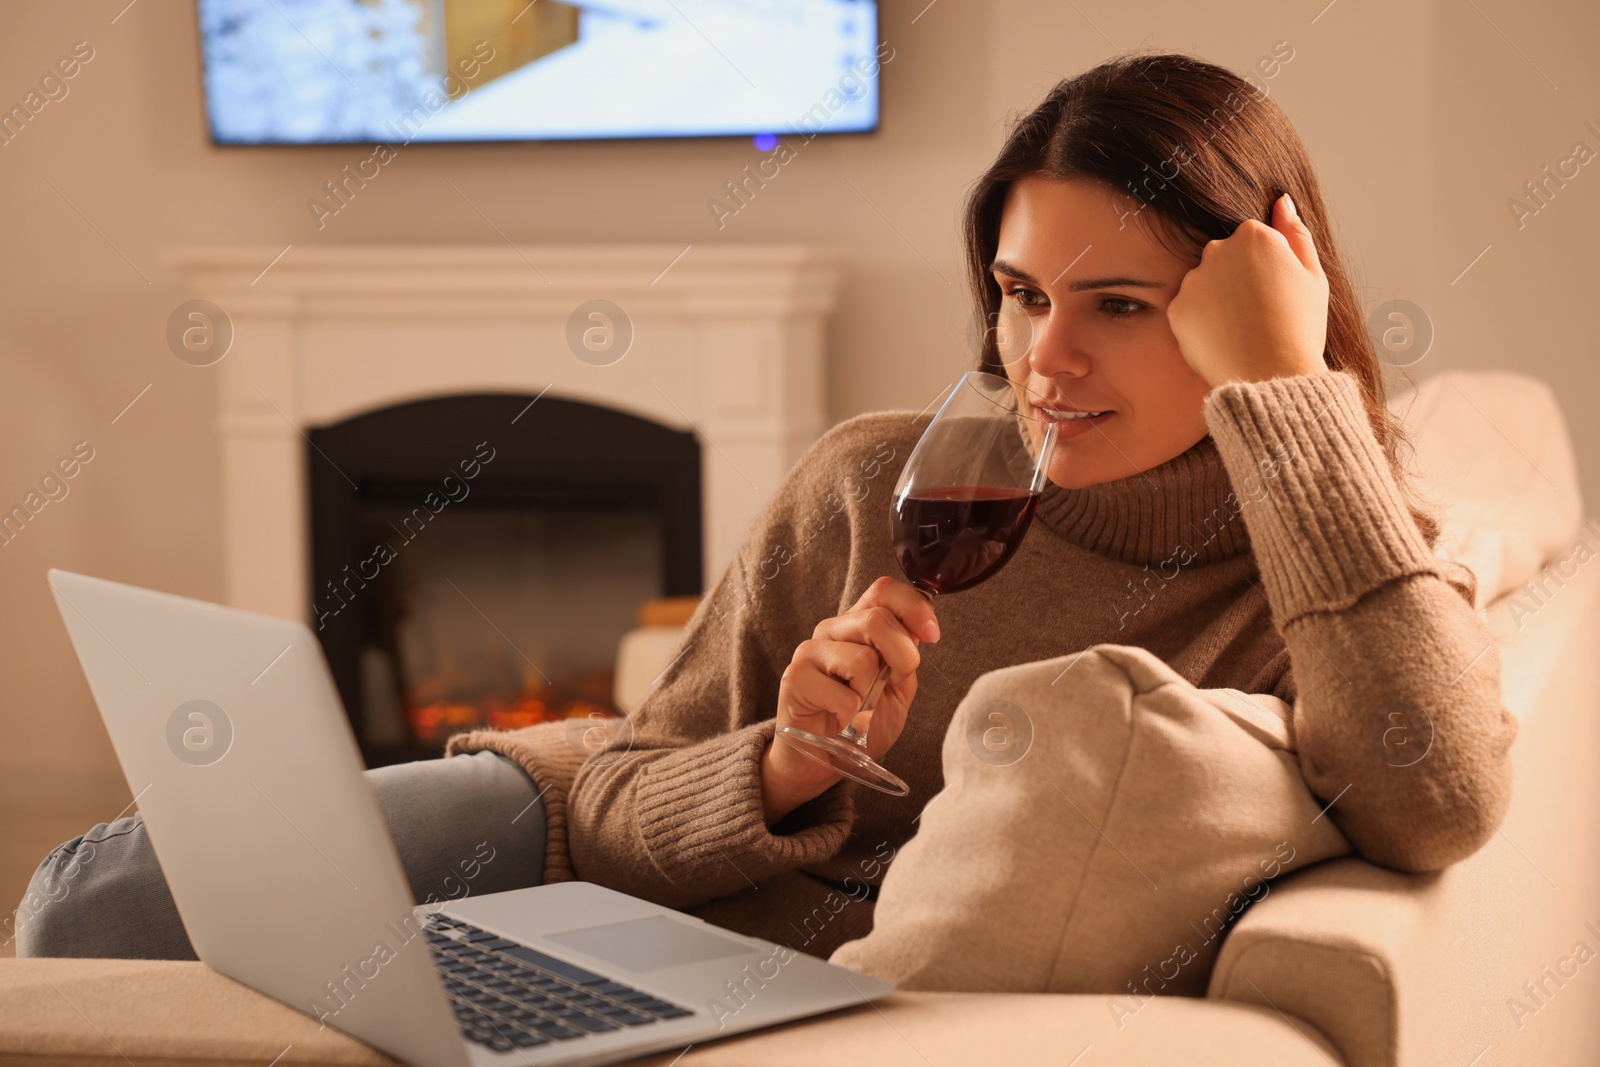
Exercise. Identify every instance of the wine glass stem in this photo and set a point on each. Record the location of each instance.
(860, 736)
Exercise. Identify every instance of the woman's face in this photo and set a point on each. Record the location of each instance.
(1083, 329)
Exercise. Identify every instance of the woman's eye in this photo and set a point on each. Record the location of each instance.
(1025, 297)
(1120, 307)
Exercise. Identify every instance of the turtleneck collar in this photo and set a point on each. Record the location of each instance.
(1184, 507)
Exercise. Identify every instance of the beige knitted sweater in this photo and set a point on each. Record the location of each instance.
(1275, 556)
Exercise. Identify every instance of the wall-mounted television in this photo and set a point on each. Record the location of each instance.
(364, 71)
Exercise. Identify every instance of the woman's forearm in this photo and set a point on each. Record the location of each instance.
(684, 825)
(1398, 719)
(1399, 723)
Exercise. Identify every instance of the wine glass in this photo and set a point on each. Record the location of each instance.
(963, 502)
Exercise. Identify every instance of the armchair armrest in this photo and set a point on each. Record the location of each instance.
(1342, 945)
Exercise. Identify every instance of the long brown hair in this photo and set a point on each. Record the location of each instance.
(1199, 149)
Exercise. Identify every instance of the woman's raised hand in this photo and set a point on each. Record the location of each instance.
(1256, 307)
(828, 677)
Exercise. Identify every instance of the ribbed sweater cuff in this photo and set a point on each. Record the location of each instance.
(1327, 521)
(699, 809)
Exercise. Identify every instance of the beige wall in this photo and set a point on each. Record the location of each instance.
(1530, 302)
(1423, 120)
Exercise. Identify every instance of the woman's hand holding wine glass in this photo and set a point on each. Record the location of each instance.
(961, 506)
(878, 630)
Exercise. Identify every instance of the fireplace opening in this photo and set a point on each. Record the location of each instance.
(475, 559)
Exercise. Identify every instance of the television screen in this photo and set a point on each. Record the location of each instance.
(362, 71)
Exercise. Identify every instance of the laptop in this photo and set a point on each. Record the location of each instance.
(241, 758)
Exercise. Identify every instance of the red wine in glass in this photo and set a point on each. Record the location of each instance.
(953, 538)
(962, 504)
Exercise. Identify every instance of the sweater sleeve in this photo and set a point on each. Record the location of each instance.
(671, 810)
(1395, 681)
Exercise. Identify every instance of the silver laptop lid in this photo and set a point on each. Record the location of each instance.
(233, 739)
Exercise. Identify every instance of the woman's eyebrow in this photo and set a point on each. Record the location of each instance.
(1113, 283)
(1005, 267)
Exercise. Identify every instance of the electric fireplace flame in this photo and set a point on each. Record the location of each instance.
(453, 701)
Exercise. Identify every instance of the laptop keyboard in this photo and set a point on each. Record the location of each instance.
(506, 995)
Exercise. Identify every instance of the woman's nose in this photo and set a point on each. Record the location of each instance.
(1054, 351)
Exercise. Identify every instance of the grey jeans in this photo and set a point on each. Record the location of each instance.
(102, 894)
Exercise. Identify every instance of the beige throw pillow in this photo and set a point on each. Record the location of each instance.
(1102, 823)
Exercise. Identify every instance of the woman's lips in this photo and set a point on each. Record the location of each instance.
(1074, 427)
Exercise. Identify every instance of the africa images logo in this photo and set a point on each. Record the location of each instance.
(999, 733)
(199, 733)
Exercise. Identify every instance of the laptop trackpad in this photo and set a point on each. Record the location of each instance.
(649, 944)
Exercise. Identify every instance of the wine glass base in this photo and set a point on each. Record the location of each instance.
(847, 758)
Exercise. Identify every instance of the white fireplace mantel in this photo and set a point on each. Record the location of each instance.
(728, 342)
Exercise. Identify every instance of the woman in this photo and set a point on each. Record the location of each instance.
(1152, 265)
(1224, 493)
